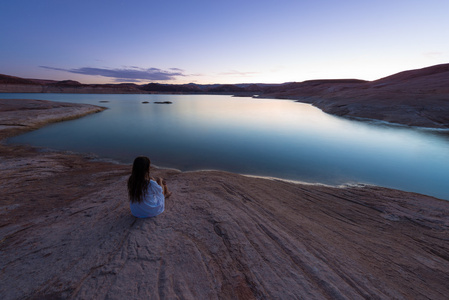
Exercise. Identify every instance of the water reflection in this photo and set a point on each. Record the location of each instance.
(263, 137)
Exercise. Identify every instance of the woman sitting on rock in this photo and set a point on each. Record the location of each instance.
(146, 196)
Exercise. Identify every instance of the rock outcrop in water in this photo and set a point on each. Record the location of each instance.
(66, 232)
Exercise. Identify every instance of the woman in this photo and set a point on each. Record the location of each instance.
(146, 196)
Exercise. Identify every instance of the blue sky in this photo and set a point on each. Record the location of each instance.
(171, 41)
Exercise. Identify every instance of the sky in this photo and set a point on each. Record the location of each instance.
(209, 41)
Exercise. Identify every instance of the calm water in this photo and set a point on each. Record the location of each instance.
(275, 138)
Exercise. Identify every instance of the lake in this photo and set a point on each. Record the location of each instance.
(262, 137)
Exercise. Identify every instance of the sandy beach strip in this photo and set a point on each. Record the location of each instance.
(66, 231)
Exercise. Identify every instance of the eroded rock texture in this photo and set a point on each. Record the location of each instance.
(66, 232)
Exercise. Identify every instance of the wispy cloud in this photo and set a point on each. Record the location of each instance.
(433, 55)
(127, 80)
(133, 73)
(239, 73)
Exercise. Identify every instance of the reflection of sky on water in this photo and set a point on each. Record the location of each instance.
(275, 138)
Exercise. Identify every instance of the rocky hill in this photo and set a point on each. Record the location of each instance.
(417, 97)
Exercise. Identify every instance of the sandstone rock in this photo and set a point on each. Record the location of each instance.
(66, 232)
(415, 97)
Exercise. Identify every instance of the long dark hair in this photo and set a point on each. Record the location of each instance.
(139, 179)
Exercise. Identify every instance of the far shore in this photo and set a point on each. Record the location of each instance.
(418, 98)
(66, 231)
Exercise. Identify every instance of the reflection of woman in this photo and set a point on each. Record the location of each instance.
(146, 196)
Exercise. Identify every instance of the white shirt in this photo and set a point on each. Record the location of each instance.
(153, 202)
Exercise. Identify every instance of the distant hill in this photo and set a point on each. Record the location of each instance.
(406, 76)
(435, 77)
(11, 84)
(6, 79)
(171, 88)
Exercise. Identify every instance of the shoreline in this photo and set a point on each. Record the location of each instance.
(388, 123)
(66, 232)
(348, 109)
(438, 192)
(16, 123)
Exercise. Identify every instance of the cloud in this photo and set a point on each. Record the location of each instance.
(126, 74)
(177, 69)
(433, 55)
(120, 80)
(239, 73)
